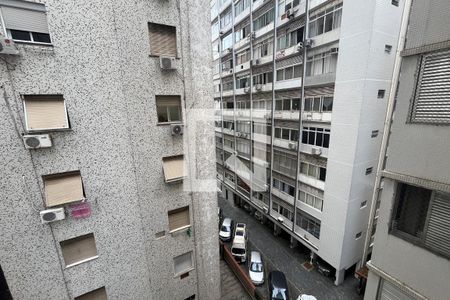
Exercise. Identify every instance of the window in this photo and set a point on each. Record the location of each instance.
(183, 263)
(241, 33)
(78, 250)
(290, 39)
(265, 48)
(63, 188)
(285, 163)
(45, 112)
(313, 171)
(325, 21)
(358, 235)
(179, 219)
(240, 7)
(289, 73)
(421, 216)
(311, 200)
(286, 134)
(163, 40)
(225, 19)
(227, 42)
(284, 187)
(369, 170)
(318, 104)
(431, 102)
(381, 94)
(363, 204)
(227, 65)
(374, 133)
(264, 20)
(242, 57)
(214, 8)
(316, 136)
(215, 28)
(322, 63)
(262, 78)
(98, 294)
(284, 5)
(387, 48)
(242, 82)
(387, 290)
(308, 223)
(285, 212)
(168, 109)
(26, 25)
(395, 2)
(173, 167)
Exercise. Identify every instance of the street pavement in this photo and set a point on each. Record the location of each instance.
(278, 255)
(231, 288)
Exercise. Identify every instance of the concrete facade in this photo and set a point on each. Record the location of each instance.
(416, 155)
(363, 67)
(99, 61)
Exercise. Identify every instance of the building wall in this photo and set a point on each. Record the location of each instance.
(100, 62)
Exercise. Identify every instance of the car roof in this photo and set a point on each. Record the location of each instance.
(226, 222)
(255, 256)
(278, 279)
(241, 225)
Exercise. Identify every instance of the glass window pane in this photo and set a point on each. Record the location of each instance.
(316, 104)
(320, 25)
(285, 134)
(278, 132)
(297, 71)
(280, 75)
(311, 138)
(326, 140)
(20, 35)
(304, 137)
(322, 174)
(41, 37)
(308, 104)
(162, 114)
(319, 139)
(174, 113)
(294, 135)
(327, 104)
(279, 105)
(296, 104)
(312, 171)
(329, 22)
(287, 104)
(288, 73)
(304, 168)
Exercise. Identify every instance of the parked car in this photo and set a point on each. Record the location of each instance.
(306, 297)
(239, 246)
(278, 288)
(324, 268)
(256, 268)
(226, 229)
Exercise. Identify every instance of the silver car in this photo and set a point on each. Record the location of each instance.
(256, 268)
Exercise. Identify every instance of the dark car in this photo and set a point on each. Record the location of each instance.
(278, 289)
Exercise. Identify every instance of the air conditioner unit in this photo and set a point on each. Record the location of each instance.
(247, 89)
(167, 63)
(316, 151)
(7, 46)
(290, 13)
(52, 215)
(231, 71)
(245, 136)
(280, 219)
(266, 209)
(308, 43)
(253, 35)
(334, 50)
(293, 146)
(256, 61)
(221, 32)
(309, 116)
(176, 129)
(229, 50)
(37, 141)
(258, 87)
(299, 47)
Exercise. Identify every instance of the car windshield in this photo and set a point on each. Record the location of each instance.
(224, 228)
(240, 233)
(238, 251)
(256, 267)
(278, 293)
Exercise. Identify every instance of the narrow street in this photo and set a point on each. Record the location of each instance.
(278, 255)
(231, 288)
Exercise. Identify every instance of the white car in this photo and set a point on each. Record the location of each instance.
(226, 230)
(239, 246)
(306, 297)
(256, 268)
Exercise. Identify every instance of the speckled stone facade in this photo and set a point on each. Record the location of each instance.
(100, 62)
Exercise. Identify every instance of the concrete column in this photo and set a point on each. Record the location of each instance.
(340, 274)
(276, 230)
(294, 242)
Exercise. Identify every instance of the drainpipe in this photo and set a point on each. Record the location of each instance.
(387, 126)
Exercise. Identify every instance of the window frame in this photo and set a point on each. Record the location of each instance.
(180, 110)
(69, 127)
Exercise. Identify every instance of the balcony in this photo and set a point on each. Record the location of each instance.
(261, 114)
(315, 242)
(322, 79)
(310, 149)
(264, 30)
(291, 145)
(262, 88)
(287, 114)
(243, 114)
(326, 38)
(227, 93)
(286, 222)
(228, 113)
(263, 60)
(297, 11)
(288, 84)
(228, 131)
(314, 182)
(240, 92)
(257, 4)
(293, 50)
(216, 76)
(283, 196)
(242, 67)
(225, 4)
(241, 43)
(261, 138)
(218, 129)
(310, 210)
(260, 162)
(227, 72)
(317, 116)
(242, 15)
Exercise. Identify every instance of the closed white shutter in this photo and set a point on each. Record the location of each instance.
(78, 249)
(173, 168)
(63, 188)
(432, 99)
(182, 263)
(45, 112)
(391, 292)
(438, 230)
(24, 19)
(163, 40)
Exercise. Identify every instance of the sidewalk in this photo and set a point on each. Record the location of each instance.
(231, 288)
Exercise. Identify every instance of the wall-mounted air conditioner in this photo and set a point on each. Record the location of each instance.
(176, 129)
(280, 219)
(231, 71)
(316, 151)
(167, 63)
(37, 141)
(7, 46)
(299, 47)
(334, 50)
(256, 61)
(308, 43)
(292, 146)
(247, 89)
(52, 215)
(258, 87)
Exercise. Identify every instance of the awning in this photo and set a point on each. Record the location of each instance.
(173, 168)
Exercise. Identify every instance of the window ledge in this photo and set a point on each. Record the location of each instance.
(81, 262)
(34, 131)
(20, 42)
(184, 272)
(158, 56)
(180, 230)
(169, 123)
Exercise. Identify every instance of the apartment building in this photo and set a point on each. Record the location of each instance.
(410, 254)
(300, 97)
(97, 199)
